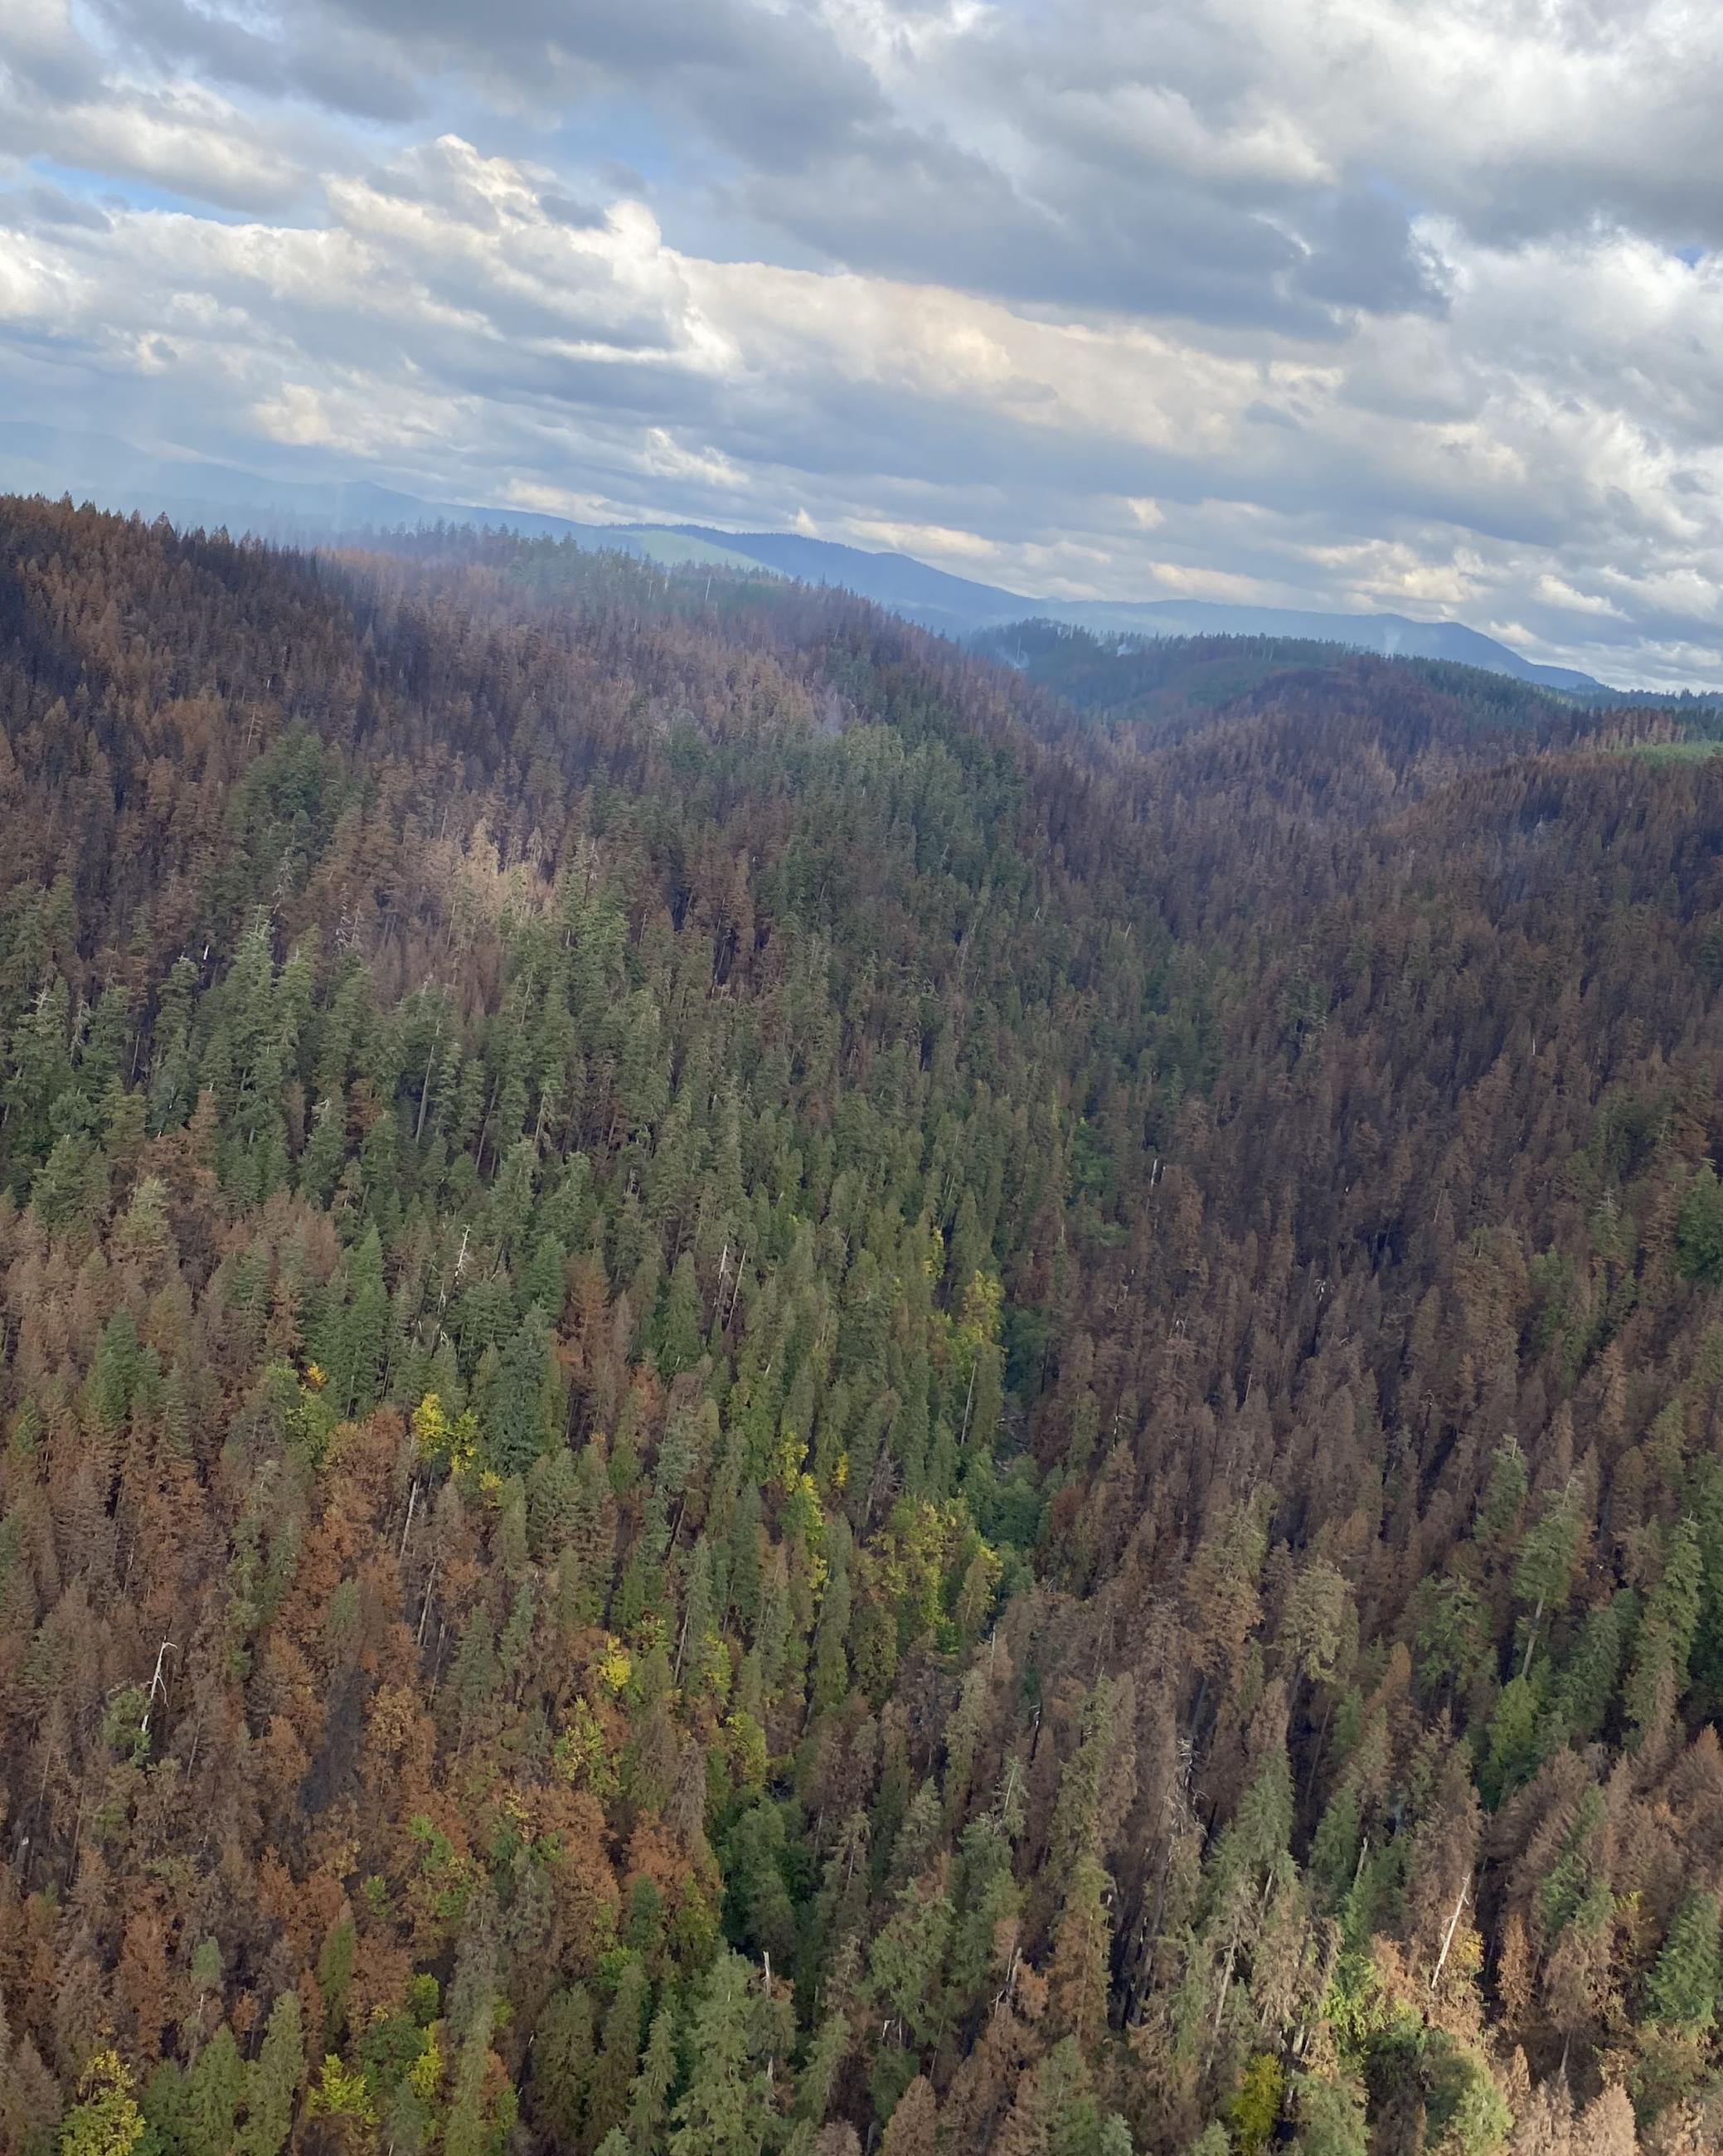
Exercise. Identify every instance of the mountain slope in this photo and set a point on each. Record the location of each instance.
(758, 1392)
(1390, 635)
(932, 597)
(1162, 685)
(959, 605)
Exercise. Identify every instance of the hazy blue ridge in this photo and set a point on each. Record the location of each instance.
(116, 475)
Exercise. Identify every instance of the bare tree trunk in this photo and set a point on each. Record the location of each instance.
(1448, 1938)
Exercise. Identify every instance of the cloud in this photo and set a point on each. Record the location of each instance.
(1371, 303)
(184, 140)
(61, 101)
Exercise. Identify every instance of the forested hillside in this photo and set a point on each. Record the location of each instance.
(760, 1396)
(1171, 682)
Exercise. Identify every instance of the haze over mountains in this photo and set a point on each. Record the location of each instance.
(53, 461)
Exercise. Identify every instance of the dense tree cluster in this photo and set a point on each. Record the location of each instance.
(761, 1395)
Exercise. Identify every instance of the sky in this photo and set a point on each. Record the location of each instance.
(1407, 304)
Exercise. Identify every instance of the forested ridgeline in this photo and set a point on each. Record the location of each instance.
(761, 1397)
(1172, 685)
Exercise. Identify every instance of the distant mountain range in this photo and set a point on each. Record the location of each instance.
(38, 459)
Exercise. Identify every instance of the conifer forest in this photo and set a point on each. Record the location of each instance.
(772, 1391)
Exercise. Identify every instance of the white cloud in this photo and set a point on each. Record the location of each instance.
(182, 139)
(934, 542)
(298, 415)
(60, 100)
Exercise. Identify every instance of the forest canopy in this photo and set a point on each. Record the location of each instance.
(767, 1390)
